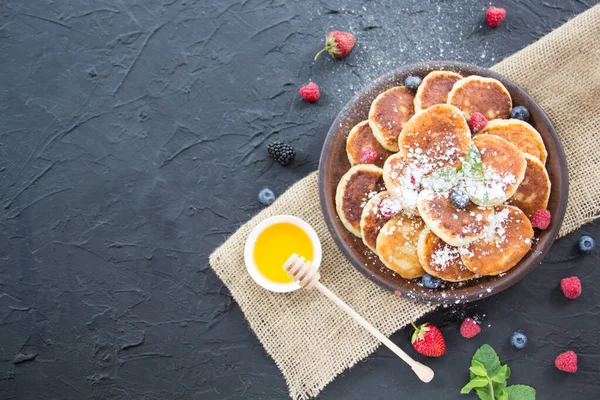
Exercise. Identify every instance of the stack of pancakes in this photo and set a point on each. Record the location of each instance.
(415, 228)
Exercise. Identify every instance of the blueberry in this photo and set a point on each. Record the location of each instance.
(266, 196)
(520, 112)
(518, 339)
(586, 244)
(412, 82)
(459, 198)
(430, 282)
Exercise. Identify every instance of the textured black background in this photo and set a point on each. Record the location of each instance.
(132, 143)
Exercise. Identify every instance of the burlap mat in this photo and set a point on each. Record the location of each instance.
(312, 341)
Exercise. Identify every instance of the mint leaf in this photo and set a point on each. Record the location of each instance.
(474, 383)
(478, 370)
(488, 378)
(488, 357)
(472, 165)
(441, 180)
(520, 392)
(484, 393)
(502, 375)
(475, 363)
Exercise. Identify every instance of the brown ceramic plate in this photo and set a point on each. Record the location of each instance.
(334, 163)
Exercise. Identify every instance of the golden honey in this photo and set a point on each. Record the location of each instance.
(275, 245)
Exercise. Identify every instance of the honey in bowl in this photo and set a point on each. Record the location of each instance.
(275, 244)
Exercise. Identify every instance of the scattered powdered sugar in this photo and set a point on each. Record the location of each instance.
(389, 207)
(444, 255)
(496, 230)
(407, 183)
(491, 189)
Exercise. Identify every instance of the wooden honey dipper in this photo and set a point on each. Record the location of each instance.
(307, 276)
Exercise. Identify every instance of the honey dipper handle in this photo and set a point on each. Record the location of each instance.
(423, 372)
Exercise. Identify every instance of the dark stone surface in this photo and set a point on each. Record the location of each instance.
(132, 142)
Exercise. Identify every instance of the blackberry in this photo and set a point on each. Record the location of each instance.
(281, 152)
(520, 112)
(412, 82)
(459, 198)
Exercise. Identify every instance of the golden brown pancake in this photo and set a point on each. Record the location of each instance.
(533, 193)
(507, 241)
(436, 137)
(379, 209)
(435, 88)
(402, 181)
(356, 187)
(389, 113)
(360, 137)
(484, 95)
(504, 166)
(440, 259)
(397, 245)
(519, 133)
(455, 226)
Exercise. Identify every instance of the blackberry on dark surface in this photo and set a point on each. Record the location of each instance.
(281, 152)
(459, 198)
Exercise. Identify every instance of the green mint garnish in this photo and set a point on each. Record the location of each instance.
(442, 180)
(488, 378)
(472, 166)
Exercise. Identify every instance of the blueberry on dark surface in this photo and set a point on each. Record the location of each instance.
(281, 152)
(520, 112)
(266, 196)
(412, 82)
(518, 339)
(459, 198)
(431, 282)
(586, 244)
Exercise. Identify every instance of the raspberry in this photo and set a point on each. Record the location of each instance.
(477, 122)
(571, 287)
(469, 328)
(566, 362)
(495, 16)
(367, 155)
(310, 92)
(281, 152)
(541, 219)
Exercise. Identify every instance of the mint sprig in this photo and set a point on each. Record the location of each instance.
(489, 376)
(442, 180)
(472, 167)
